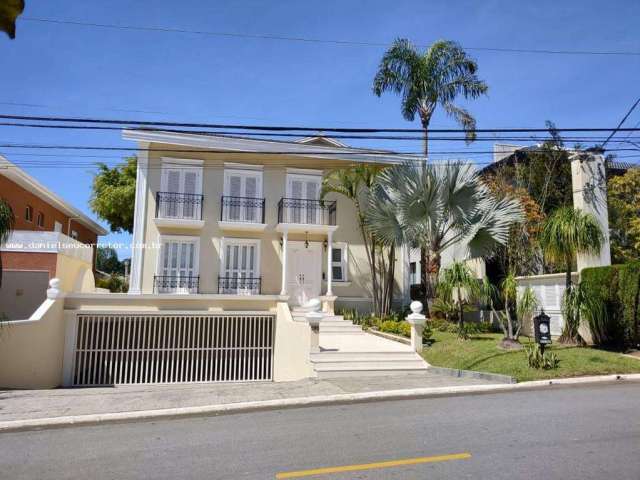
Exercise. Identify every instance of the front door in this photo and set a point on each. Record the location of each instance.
(304, 273)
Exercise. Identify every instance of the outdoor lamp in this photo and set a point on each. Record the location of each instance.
(542, 329)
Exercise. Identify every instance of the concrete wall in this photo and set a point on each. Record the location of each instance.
(291, 347)
(22, 292)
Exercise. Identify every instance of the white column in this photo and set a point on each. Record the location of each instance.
(589, 185)
(139, 219)
(329, 259)
(285, 252)
(417, 321)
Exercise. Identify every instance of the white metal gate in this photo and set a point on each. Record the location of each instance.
(132, 349)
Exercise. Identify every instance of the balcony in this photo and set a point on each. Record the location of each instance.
(242, 214)
(179, 210)
(182, 284)
(298, 215)
(240, 285)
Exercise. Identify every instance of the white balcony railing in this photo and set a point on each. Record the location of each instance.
(48, 242)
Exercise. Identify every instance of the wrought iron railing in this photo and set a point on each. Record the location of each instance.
(176, 283)
(242, 209)
(311, 212)
(186, 206)
(240, 285)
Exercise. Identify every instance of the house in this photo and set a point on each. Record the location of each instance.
(243, 217)
(51, 238)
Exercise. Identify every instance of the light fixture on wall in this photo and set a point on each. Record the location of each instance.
(325, 244)
(306, 239)
(281, 243)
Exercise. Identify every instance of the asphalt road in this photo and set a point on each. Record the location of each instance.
(569, 433)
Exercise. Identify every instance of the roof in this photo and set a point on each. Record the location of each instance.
(22, 178)
(239, 143)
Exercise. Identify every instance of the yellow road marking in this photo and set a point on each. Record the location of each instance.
(372, 466)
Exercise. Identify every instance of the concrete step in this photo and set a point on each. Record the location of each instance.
(328, 374)
(333, 356)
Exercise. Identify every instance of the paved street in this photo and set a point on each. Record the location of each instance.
(570, 433)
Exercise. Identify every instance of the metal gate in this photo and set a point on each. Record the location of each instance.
(142, 349)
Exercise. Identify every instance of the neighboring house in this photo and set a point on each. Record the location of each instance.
(51, 238)
(238, 216)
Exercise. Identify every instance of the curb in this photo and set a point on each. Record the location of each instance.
(454, 372)
(416, 393)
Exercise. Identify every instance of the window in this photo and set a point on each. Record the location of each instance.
(74, 234)
(40, 219)
(240, 187)
(339, 262)
(178, 265)
(28, 213)
(181, 195)
(240, 272)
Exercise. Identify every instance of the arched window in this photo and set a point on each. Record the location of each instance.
(28, 213)
(40, 221)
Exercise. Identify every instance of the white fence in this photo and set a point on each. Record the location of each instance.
(549, 290)
(164, 348)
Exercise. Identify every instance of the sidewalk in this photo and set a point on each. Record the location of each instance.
(34, 404)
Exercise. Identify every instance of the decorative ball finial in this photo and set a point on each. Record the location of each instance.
(416, 307)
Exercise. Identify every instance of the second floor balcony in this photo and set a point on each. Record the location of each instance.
(307, 215)
(183, 284)
(179, 210)
(242, 213)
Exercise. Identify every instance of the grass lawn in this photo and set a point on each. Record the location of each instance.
(481, 353)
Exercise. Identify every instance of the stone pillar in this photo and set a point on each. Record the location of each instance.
(417, 321)
(329, 260)
(314, 316)
(139, 220)
(283, 290)
(589, 185)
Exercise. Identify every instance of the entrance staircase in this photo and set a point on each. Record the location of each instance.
(346, 350)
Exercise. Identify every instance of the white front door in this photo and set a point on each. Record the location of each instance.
(178, 272)
(241, 267)
(304, 272)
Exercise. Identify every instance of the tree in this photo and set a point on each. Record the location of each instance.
(426, 80)
(113, 195)
(107, 261)
(438, 206)
(355, 183)
(459, 284)
(7, 221)
(624, 216)
(10, 10)
(566, 233)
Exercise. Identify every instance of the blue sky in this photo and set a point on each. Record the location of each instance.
(69, 70)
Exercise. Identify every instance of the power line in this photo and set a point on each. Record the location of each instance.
(314, 40)
(280, 128)
(621, 122)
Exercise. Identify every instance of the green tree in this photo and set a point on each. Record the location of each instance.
(438, 206)
(355, 184)
(438, 76)
(107, 261)
(624, 216)
(113, 195)
(7, 221)
(459, 283)
(566, 233)
(10, 10)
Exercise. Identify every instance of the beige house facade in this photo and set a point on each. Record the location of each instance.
(241, 217)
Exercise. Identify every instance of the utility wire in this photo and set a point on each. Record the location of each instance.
(315, 40)
(278, 128)
(617, 129)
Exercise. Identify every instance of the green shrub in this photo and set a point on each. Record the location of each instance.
(612, 309)
(538, 360)
(114, 283)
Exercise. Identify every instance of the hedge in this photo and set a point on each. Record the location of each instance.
(617, 289)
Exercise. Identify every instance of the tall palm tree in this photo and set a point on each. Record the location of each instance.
(7, 221)
(566, 233)
(439, 205)
(426, 80)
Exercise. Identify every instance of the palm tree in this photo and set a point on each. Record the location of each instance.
(439, 205)
(355, 183)
(462, 286)
(7, 221)
(566, 233)
(426, 80)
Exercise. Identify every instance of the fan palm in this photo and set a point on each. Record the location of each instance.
(7, 221)
(438, 206)
(426, 80)
(568, 232)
